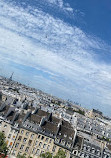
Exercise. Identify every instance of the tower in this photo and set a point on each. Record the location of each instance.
(11, 76)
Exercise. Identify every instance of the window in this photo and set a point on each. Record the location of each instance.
(11, 130)
(65, 135)
(14, 151)
(40, 144)
(68, 144)
(10, 144)
(0, 123)
(63, 142)
(50, 141)
(38, 136)
(22, 131)
(22, 146)
(57, 140)
(17, 144)
(24, 140)
(36, 142)
(44, 146)
(75, 152)
(9, 136)
(20, 137)
(37, 152)
(20, 153)
(70, 138)
(60, 149)
(33, 151)
(47, 139)
(42, 152)
(30, 141)
(5, 126)
(32, 136)
(54, 148)
(42, 137)
(27, 133)
(48, 147)
(13, 137)
(27, 149)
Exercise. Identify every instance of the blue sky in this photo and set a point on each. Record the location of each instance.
(62, 47)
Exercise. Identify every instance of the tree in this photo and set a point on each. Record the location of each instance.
(46, 155)
(3, 145)
(21, 156)
(60, 154)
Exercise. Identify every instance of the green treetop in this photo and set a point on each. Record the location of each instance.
(46, 155)
(3, 145)
(60, 154)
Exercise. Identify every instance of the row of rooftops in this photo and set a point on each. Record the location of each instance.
(39, 121)
(94, 126)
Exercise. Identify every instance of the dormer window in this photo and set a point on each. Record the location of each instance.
(93, 150)
(34, 129)
(84, 148)
(88, 148)
(57, 140)
(68, 144)
(70, 138)
(98, 152)
(65, 135)
(24, 125)
(63, 142)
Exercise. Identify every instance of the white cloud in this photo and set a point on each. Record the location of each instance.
(64, 52)
(62, 5)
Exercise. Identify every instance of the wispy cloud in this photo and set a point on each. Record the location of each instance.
(62, 5)
(69, 56)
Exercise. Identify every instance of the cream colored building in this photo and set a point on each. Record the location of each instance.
(9, 132)
(33, 144)
(94, 114)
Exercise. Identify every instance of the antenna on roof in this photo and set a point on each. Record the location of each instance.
(11, 76)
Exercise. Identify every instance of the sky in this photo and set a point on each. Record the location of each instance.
(62, 47)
